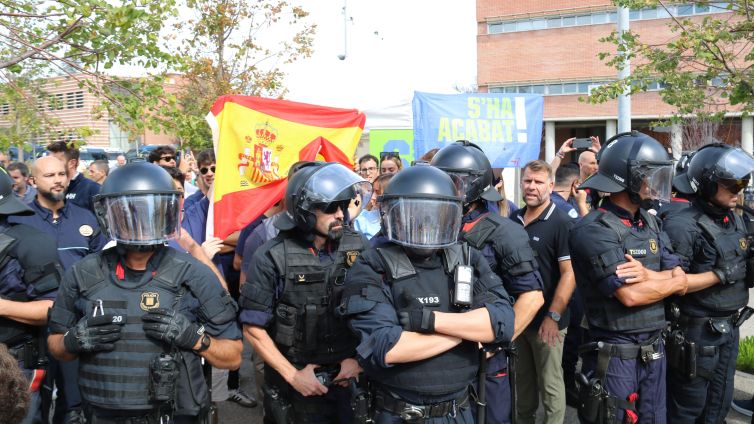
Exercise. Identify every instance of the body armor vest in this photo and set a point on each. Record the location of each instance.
(731, 247)
(450, 371)
(305, 328)
(46, 278)
(608, 313)
(119, 379)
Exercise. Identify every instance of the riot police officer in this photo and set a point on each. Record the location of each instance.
(422, 302)
(505, 245)
(711, 241)
(140, 316)
(29, 278)
(291, 289)
(624, 270)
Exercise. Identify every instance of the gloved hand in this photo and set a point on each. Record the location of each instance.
(172, 327)
(94, 334)
(418, 320)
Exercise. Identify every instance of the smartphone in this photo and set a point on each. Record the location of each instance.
(582, 143)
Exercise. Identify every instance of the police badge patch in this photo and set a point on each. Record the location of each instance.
(149, 300)
(742, 243)
(351, 257)
(653, 245)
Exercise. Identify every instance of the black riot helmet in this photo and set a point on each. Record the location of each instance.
(139, 205)
(9, 203)
(749, 197)
(469, 167)
(680, 180)
(718, 162)
(421, 208)
(320, 186)
(633, 162)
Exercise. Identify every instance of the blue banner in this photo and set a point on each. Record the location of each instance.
(508, 127)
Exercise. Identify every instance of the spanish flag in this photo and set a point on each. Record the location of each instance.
(256, 141)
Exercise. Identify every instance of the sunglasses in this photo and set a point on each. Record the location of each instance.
(204, 170)
(389, 155)
(333, 207)
(734, 186)
(167, 158)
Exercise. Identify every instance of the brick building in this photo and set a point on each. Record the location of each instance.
(75, 107)
(550, 47)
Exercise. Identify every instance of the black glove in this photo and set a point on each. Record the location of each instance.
(93, 334)
(418, 320)
(172, 327)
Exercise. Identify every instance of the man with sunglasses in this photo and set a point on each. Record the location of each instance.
(292, 286)
(163, 155)
(711, 241)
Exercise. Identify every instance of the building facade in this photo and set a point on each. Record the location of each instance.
(551, 47)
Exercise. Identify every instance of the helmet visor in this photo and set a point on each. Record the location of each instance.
(735, 165)
(334, 183)
(141, 219)
(464, 181)
(656, 181)
(427, 223)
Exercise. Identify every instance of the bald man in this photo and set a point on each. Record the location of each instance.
(77, 234)
(587, 164)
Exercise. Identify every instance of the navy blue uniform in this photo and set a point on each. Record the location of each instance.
(81, 191)
(596, 251)
(376, 322)
(510, 256)
(707, 315)
(76, 230)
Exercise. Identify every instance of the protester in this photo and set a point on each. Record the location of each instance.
(81, 190)
(19, 172)
(98, 171)
(390, 162)
(368, 168)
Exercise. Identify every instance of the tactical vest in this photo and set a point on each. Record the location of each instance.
(120, 379)
(731, 247)
(45, 279)
(608, 313)
(489, 227)
(305, 328)
(450, 371)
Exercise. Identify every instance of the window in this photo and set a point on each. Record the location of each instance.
(701, 8)
(685, 10)
(599, 18)
(495, 28)
(55, 102)
(524, 89)
(554, 22)
(74, 100)
(555, 89)
(513, 89)
(538, 89)
(570, 88)
(569, 21)
(584, 87)
(584, 20)
(4, 109)
(509, 26)
(539, 24)
(524, 26)
(649, 13)
(612, 17)
(634, 15)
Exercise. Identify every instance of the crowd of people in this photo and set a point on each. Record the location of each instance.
(385, 293)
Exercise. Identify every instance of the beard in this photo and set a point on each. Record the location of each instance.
(334, 234)
(53, 197)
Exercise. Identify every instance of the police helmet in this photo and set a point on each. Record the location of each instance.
(9, 203)
(718, 162)
(630, 161)
(320, 186)
(749, 197)
(421, 208)
(469, 167)
(680, 180)
(139, 205)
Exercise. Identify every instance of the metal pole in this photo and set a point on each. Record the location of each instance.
(345, 31)
(624, 100)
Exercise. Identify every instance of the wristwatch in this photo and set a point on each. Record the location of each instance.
(205, 342)
(554, 315)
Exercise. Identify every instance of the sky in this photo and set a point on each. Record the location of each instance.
(394, 47)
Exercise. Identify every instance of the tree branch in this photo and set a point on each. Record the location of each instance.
(36, 49)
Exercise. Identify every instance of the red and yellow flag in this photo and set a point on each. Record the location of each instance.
(257, 140)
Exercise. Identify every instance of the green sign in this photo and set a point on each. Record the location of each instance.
(401, 141)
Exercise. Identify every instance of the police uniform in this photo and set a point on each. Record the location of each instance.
(115, 384)
(291, 291)
(708, 243)
(624, 349)
(81, 191)
(505, 246)
(376, 292)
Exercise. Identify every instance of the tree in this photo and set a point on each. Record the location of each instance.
(233, 49)
(86, 38)
(704, 71)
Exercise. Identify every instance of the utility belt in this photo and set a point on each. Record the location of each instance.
(31, 352)
(596, 404)
(412, 413)
(94, 416)
(683, 354)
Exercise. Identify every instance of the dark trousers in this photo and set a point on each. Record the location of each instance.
(65, 375)
(498, 391)
(332, 407)
(463, 416)
(574, 338)
(698, 399)
(232, 278)
(626, 377)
